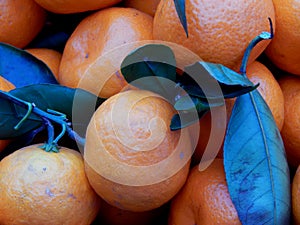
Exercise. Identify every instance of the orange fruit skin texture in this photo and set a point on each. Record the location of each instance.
(285, 47)
(96, 35)
(204, 199)
(20, 21)
(269, 88)
(49, 56)
(127, 142)
(39, 187)
(74, 6)
(148, 7)
(290, 85)
(5, 85)
(296, 197)
(219, 31)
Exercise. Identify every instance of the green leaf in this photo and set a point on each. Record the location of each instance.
(180, 9)
(44, 96)
(206, 74)
(186, 118)
(189, 102)
(149, 60)
(151, 67)
(255, 164)
(21, 68)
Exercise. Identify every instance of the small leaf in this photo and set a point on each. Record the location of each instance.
(44, 96)
(151, 67)
(180, 9)
(189, 102)
(21, 68)
(255, 164)
(209, 80)
(149, 60)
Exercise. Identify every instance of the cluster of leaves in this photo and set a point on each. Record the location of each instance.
(38, 100)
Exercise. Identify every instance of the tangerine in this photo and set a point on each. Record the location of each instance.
(20, 21)
(284, 48)
(49, 56)
(204, 199)
(269, 88)
(97, 35)
(290, 85)
(218, 31)
(74, 6)
(39, 187)
(148, 7)
(132, 158)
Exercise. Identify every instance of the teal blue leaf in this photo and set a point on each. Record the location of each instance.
(255, 164)
(186, 118)
(149, 60)
(180, 9)
(151, 67)
(209, 75)
(21, 68)
(189, 102)
(44, 96)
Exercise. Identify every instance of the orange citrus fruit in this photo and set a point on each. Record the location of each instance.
(49, 56)
(296, 197)
(269, 88)
(20, 21)
(290, 85)
(218, 31)
(97, 35)
(39, 187)
(204, 199)
(75, 6)
(285, 47)
(133, 160)
(148, 7)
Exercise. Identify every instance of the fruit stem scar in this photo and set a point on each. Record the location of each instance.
(263, 36)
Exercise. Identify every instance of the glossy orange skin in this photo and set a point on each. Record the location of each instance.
(114, 145)
(75, 6)
(39, 187)
(285, 47)
(269, 89)
(204, 199)
(49, 56)
(296, 197)
(148, 6)
(97, 35)
(219, 31)
(290, 85)
(20, 21)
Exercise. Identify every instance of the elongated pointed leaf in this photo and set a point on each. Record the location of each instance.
(44, 96)
(149, 60)
(256, 168)
(186, 118)
(180, 9)
(189, 102)
(231, 83)
(21, 68)
(151, 67)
